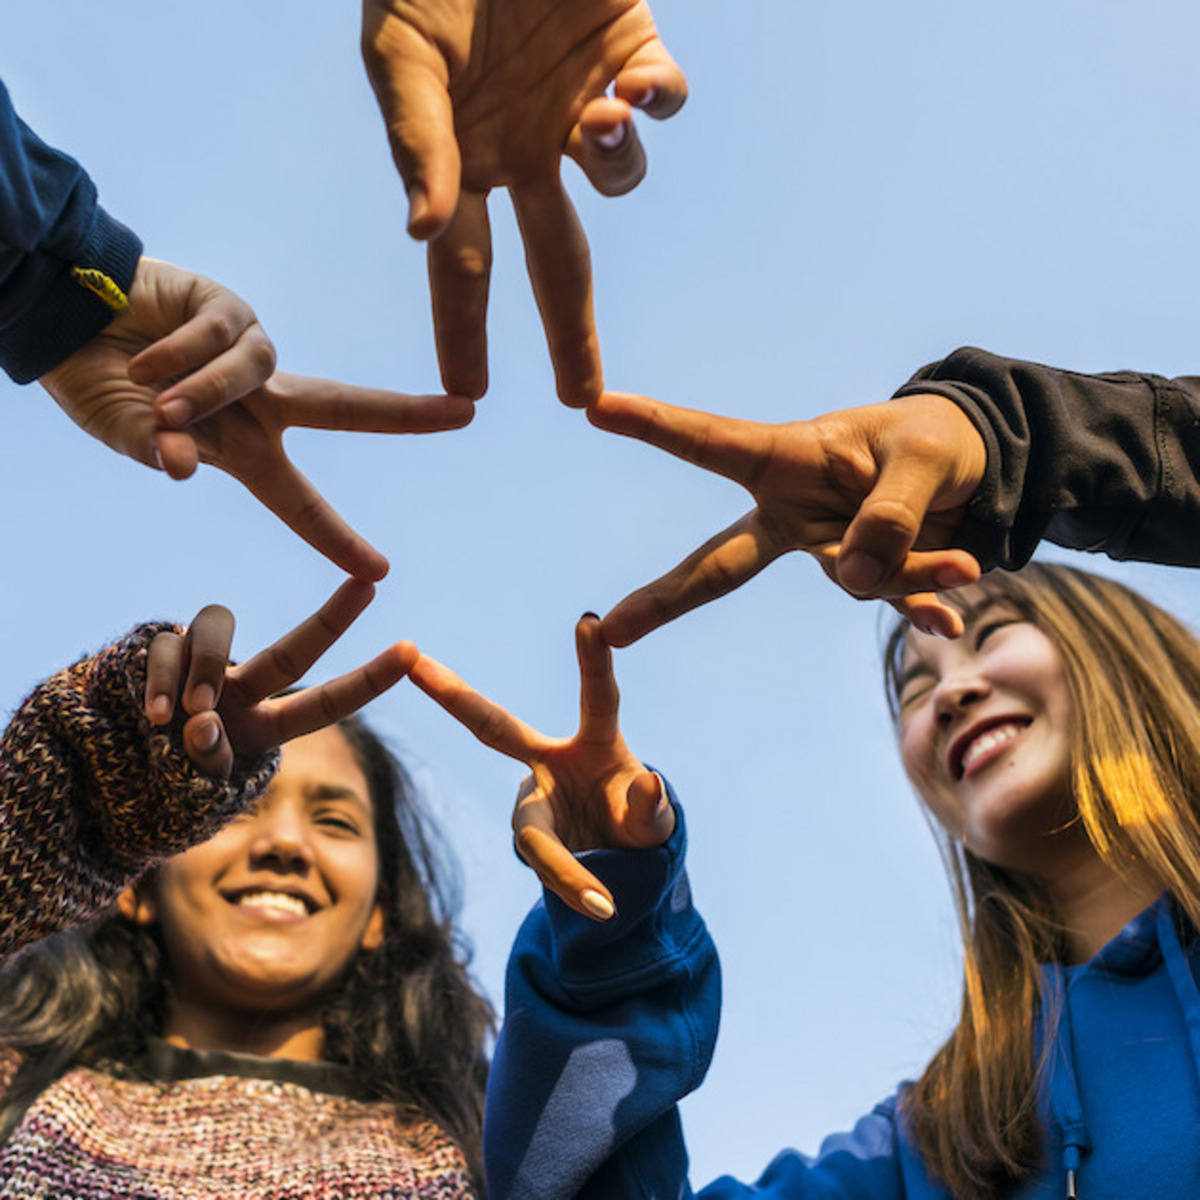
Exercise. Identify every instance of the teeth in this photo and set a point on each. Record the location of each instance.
(279, 901)
(988, 741)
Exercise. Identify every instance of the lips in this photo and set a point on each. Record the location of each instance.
(975, 746)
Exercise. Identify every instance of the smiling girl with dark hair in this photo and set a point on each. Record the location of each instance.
(271, 1000)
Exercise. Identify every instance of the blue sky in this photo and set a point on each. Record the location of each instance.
(852, 191)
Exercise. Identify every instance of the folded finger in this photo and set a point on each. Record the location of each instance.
(652, 81)
(216, 320)
(327, 703)
(650, 819)
(492, 725)
(599, 697)
(224, 379)
(164, 673)
(205, 743)
(208, 640)
(722, 564)
(460, 271)
(326, 404)
(283, 663)
(560, 270)
(175, 453)
(561, 872)
(409, 77)
(739, 450)
(606, 146)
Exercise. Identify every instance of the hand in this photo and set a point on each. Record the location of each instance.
(478, 94)
(185, 375)
(236, 710)
(874, 493)
(586, 792)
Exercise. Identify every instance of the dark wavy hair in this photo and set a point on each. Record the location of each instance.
(407, 1019)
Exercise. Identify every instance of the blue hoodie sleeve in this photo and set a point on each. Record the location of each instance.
(607, 1026)
(65, 265)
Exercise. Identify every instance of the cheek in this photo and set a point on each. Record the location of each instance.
(918, 754)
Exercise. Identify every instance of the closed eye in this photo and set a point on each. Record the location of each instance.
(338, 821)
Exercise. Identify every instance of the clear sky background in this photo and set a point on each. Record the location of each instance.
(853, 190)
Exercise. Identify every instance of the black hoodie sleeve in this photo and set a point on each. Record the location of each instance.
(1092, 462)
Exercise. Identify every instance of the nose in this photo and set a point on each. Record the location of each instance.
(955, 695)
(281, 840)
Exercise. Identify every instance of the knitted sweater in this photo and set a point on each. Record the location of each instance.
(90, 795)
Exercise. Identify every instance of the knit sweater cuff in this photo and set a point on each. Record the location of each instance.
(70, 312)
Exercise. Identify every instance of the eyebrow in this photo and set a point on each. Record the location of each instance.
(325, 792)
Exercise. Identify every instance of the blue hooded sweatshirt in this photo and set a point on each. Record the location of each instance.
(65, 265)
(607, 1026)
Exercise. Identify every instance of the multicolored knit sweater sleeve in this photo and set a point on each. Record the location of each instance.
(91, 794)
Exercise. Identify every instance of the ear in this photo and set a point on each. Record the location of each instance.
(136, 904)
(372, 937)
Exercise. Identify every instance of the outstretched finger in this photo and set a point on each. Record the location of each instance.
(207, 644)
(220, 381)
(460, 271)
(327, 404)
(599, 697)
(279, 485)
(492, 725)
(724, 445)
(559, 870)
(409, 77)
(606, 146)
(327, 703)
(560, 270)
(722, 564)
(283, 663)
(165, 661)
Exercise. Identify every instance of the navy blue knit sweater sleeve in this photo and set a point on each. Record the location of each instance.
(65, 264)
(607, 1027)
(1094, 462)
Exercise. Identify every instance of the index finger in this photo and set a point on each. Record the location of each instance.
(739, 450)
(327, 404)
(285, 661)
(722, 564)
(207, 643)
(599, 697)
(492, 725)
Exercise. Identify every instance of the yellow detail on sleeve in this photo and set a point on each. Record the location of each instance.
(99, 283)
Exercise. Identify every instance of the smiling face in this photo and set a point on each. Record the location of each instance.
(267, 915)
(985, 736)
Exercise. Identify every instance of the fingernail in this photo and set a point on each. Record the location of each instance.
(418, 206)
(158, 458)
(589, 615)
(647, 99)
(176, 413)
(204, 697)
(860, 572)
(207, 735)
(159, 710)
(662, 787)
(952, 575)
(614, 137)
(597, 905)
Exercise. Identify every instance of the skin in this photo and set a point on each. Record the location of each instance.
(1013, 804)
(187, 375)
(480, 94)
(875, 494)
(584, 792)
(244, 975)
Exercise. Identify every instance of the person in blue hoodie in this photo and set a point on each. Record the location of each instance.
(1055, 744)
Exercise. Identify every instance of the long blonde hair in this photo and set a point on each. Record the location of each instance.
(1133, 672)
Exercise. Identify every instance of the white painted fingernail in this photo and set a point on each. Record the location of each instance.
(651, 94)
(614, 137)
(158, 458)
(597, 905)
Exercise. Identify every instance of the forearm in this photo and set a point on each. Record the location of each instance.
(1093, 462)
(606, 1027)
(91, 795)
(65, 264)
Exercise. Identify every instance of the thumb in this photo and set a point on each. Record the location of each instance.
(651, 819)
